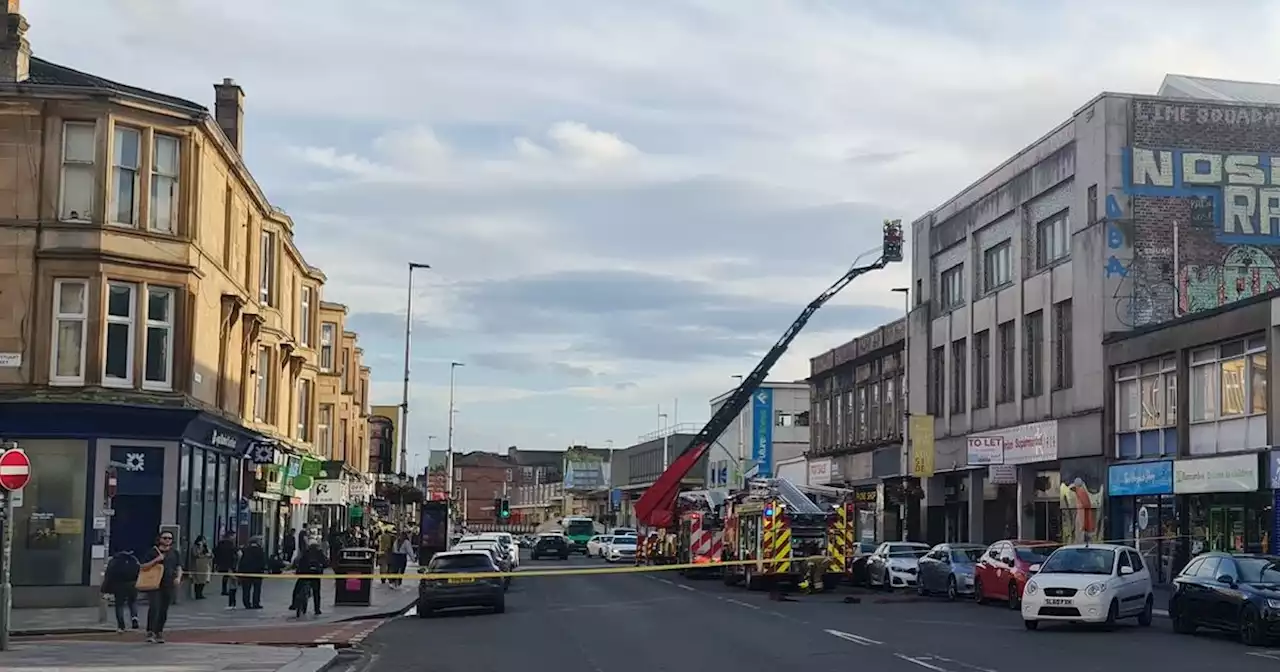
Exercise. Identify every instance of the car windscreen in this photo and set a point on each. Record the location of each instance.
(464, 562)
(1034, 554)
(551, 541)
(1081, 560)
(966, 555)
(1259, 570)
(907, 552)
(580, 527)
(624, 541)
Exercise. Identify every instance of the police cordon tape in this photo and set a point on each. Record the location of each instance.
(645, 569)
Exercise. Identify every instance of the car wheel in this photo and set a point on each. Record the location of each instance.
(1251, 633)
(885, 582)
(920, 589)
(1015, 600)
(1148, 609)
(424, 611)
(1113, 613)
(1183, 624)
(1031, 625)
(500, 607)
(978, 596)
(952, 591)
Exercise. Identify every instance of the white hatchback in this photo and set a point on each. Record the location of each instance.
(1089, 583)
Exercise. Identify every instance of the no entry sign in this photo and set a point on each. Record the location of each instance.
(15, 470)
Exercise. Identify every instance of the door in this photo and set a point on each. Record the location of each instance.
(1227, 597)
(135, 523)
(1004, 570)
(138, 500)
(927, 567)
(1206, 597)
(1226, 529)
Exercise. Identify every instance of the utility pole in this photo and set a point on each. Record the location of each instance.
(666, 438)
(404, 397)
(448, 456)
(6, 560)
(906, 401)
(740, 482)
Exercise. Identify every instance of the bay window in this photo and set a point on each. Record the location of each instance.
(1146, 408)
(262, 387)
(126, 152)
(70, 315)
(164, 183)
(79, 171)
(117, 360)
(1229, 380)
(304, 410)
(158, 358)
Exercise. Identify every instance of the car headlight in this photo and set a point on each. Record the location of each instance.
(1095, 589)
(1274, 604)
(1032, 588)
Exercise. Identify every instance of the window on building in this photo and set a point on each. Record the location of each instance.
(1053, 238)
(79, 172)
(117, 361)
(328, 330)
(802, 419)
(1008, 348)
(126, 156)
(165, 157)
(304, 318)
(342, 440)
(1033, 348)
(997, 268)
(959, 376)
(873, 412)
(1063, 363)
(267, 269)
(889, 407)
(862, 415)
(952, 287)
(937, 368)
(784, 419)
(982, 368)
(1229, 380)
(324, 430)
(1093, 203)
(157, 369)
(510, 476)
(345, 371)
(70, 314)
(1147, 399)
(262, 391)
(304, 410)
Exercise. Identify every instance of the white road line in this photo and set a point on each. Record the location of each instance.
(684, 587)
(921, 663)
(740, 603)
(668, 582)
(1269, 655)
(856, 639)
(962, 664)
(1163, 613)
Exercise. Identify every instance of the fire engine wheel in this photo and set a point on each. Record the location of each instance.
(750, 580)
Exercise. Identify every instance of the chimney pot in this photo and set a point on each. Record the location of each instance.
(228, 111)
(15, 51)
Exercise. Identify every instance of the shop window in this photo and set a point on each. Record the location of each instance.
(49, 541)
(1229, 380)
(1146, 406)
(184, 493)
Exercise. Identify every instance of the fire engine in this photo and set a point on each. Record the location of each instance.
(775, 525)
(700, 535)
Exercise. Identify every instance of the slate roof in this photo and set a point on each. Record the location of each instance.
(45, 73)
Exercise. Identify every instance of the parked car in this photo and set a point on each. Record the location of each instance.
(448, 593)
(621, 549)
(501, 558)
(1089, 583)
(895, 564)
(596, 545)
(858, 564)
(1005, 568)
(508, 545)
(1234, 593)
(553, 545)
(948, 569)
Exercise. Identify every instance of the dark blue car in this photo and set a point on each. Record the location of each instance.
(1231, 592)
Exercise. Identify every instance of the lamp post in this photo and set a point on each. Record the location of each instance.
(906, 400)
(666, 439)
(742, 445)
(404, 398)
(609, 496)
(448, 455)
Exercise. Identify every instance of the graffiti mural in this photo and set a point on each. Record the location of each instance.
(1194, 228)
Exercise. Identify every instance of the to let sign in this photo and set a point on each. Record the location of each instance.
(15, 470)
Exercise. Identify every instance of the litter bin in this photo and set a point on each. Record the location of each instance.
(354, 592)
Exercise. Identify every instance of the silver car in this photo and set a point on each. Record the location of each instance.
(948, 569)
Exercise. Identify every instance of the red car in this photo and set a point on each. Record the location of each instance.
(1005, 568)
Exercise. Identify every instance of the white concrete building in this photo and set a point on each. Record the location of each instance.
(772, 429)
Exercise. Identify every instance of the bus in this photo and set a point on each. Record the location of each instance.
(579, 530)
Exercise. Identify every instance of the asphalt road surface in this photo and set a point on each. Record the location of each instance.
(662, 622)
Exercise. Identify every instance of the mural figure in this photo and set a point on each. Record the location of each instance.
(1081, 509)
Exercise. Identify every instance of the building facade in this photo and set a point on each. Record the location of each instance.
(158, 322)
(638, 466)
(1136, 211)
(773, 428)
(855, 440)
(479, 478)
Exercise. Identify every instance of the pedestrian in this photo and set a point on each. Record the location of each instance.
(160, 593)
(201, 567)
(231, 582)
(310, 563)
(120, 581)
(400, 558)
(386, 542)
(289, 547)
(253, 561)
(224, 559)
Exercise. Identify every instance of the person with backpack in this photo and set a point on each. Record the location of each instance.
(120, 581)
(310, 564)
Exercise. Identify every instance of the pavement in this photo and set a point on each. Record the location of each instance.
(662, 622)
(212, 612)
(109, 657)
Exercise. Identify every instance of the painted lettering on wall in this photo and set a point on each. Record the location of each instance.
(1207, 116)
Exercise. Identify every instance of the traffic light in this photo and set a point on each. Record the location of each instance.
(504, 509)
(892, 246)
(497, 507)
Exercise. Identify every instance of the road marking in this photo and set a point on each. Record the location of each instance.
(961, 664)
(1271, 654)
(856, 639)
(684, 587)
(740, 603)
(921, 663)
(668, 582)
(1163, 613)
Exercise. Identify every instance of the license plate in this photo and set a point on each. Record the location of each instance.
(462, 580)
(1057, 601)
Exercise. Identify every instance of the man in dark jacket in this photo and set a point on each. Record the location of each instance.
(311, 562)
(120, 580)
(224, 558)
(253, 560)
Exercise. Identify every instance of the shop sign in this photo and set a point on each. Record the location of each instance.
(860, 466)
(985, 450)
(820, 471)
(1238, 473)
(225, 440)
(866, 495)
(1034, 442)
(1141, 478)
(1002, 474)
(329, 493)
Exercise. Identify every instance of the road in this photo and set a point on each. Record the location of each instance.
(657, 622)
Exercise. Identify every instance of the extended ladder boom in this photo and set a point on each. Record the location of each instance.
(656, 507)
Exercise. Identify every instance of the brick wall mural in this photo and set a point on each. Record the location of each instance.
(1195, 223)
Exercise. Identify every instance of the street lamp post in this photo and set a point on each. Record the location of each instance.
(404, 398)
(612, 515)
(666, 439)
(448, 455)
(742, 445)
(906, 400)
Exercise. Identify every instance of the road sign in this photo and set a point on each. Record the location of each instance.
(15, 469)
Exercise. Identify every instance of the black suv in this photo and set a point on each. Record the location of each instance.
(553, 545)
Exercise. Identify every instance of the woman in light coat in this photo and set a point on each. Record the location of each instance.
(201, 566)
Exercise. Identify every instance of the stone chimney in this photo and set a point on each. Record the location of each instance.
(228, 109)
(15, 51)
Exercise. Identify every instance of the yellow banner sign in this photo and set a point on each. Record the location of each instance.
(921, 434)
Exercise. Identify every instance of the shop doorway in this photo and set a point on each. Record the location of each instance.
(138, 500)
(1048, 520)
(1226, 529)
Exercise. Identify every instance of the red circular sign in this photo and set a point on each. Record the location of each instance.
(15, 470)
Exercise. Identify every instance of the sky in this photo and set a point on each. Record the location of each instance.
(624, 203)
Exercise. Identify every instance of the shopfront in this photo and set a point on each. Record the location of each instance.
(1144, 513)
(210, 493)
(866, 500)
(1223, 508)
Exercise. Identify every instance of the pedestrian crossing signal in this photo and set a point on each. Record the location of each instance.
(891, 248)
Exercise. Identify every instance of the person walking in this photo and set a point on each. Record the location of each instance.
(224, 560)
(201, 567)
(400, 559)
(310, 564)
(253, 560)
(385, 545)
(160, 597)
(120, 581)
